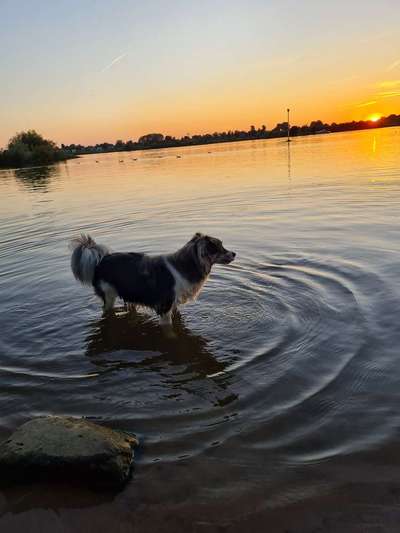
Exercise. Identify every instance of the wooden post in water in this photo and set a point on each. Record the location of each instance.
(288, 126)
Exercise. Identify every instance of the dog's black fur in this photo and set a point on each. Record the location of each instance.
(159, 282)
(137, 279)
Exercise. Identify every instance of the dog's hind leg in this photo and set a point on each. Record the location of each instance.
(100, 293)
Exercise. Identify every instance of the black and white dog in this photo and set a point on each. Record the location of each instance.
(159, 282)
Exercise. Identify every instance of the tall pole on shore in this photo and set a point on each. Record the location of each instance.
(288, 126)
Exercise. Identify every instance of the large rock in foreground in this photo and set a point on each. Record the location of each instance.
(67, 448)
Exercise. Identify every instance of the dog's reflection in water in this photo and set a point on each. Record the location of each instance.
(179, 354)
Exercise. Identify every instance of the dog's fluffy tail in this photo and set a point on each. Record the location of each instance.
(86, 255)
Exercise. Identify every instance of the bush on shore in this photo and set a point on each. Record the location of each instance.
(30, 148)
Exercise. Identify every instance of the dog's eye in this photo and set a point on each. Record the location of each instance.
(212, 248)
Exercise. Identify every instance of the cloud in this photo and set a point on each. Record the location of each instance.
(389, 84)
(393, 65)
(394, 85)
(114, 61)
(365, 104)
(388, 94)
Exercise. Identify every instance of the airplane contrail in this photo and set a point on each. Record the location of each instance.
(394, 65)
(116, 60)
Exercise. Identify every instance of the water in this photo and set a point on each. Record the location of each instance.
(282, 374)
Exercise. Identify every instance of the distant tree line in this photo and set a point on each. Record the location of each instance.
(30, 148)
(158, 140)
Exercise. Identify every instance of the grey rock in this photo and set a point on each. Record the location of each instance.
(67, 448)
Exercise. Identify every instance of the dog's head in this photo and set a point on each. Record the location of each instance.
(211, 251)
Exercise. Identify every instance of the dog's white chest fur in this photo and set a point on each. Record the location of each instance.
(184, 290)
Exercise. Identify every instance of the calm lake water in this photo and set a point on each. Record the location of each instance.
(281, 382)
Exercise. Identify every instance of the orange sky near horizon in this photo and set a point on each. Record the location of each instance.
(183, 68)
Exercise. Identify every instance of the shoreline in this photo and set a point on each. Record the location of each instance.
(167, 145)
(182, 144)
(38, 165)
(349, 507)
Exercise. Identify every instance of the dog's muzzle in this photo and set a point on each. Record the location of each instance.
(228, 258)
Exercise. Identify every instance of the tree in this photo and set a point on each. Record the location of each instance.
(30, 148)
(281, 128)
(151, 138)
(119, 145)
(316, 125)
(31, 139)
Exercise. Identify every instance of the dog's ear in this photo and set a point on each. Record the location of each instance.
(196, 236)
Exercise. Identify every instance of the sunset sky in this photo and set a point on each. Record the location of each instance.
(92, 71)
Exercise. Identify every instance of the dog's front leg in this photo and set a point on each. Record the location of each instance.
(166, 318)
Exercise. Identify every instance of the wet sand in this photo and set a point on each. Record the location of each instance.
(172, 498)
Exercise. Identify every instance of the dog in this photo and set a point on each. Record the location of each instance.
(159, 282)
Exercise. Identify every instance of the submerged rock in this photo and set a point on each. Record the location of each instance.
(63, 447)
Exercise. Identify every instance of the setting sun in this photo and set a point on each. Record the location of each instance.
(374, 117)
